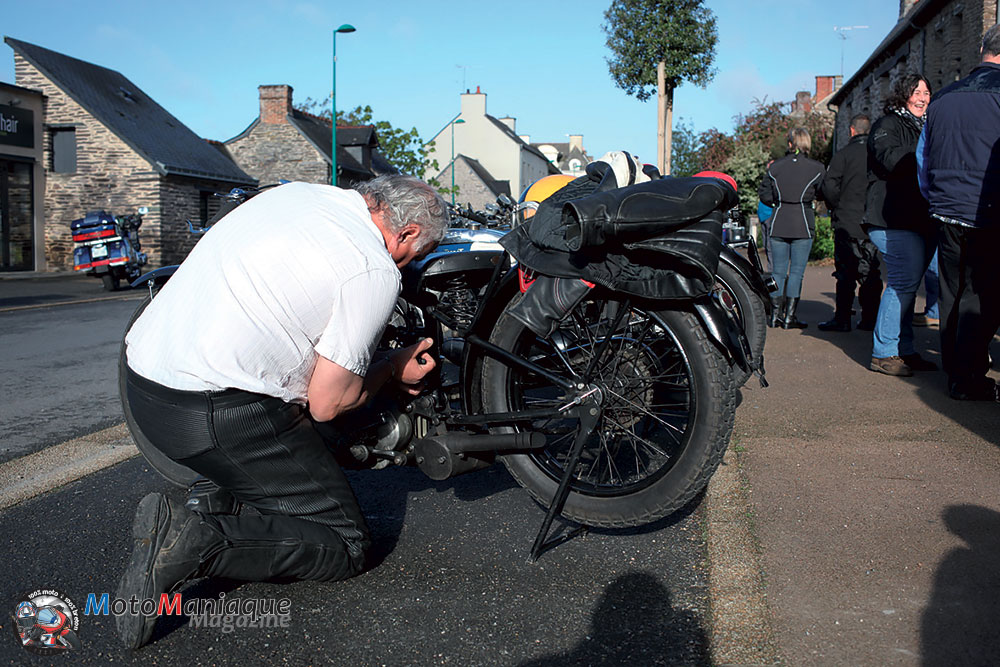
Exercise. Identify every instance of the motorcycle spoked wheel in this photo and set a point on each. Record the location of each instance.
(174, 472)
(667, 413)
(750, 312)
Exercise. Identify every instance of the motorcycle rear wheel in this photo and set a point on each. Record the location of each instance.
(666, 421)
(173, 472)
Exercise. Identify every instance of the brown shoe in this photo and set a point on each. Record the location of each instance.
(891, 366)
(922, 320)
(918, 363)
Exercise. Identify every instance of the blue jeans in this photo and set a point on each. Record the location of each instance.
(931, 288)
(906, 255)
(788, 265)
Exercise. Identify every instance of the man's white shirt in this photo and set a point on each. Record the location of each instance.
(298, 270)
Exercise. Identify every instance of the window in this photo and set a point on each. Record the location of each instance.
(64, 150)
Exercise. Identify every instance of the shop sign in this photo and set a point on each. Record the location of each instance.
(17, 127)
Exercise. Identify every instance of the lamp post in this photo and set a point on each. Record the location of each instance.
(347, 27)
(453, 124)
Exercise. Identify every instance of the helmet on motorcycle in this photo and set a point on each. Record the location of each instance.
(538, 192)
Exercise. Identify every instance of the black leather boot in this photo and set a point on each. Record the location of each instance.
(170, 546)
(777, 311)
(790, 322)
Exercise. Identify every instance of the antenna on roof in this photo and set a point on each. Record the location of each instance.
(463, 68)
(841, 32)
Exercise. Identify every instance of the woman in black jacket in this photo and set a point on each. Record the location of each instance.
(789, 186)
(899, 224)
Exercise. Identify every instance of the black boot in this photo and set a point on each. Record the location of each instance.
(790, 322)
(170, 546)
(777, 311)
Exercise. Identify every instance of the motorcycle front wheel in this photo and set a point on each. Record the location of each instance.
(668, 403)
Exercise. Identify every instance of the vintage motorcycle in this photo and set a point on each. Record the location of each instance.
(611, 405)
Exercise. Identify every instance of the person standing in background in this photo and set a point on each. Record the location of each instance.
(790, 185)
(855, 256)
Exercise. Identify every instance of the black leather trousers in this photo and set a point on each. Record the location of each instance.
(268, 454)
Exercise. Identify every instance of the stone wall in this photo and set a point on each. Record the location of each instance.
(943, 45)
(273, 151)
(109, 175)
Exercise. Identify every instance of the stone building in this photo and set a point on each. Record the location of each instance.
(937, 38)
(568, 156)
(284, 143)
(106, 145)
(476, 186)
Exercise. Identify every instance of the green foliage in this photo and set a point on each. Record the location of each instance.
(746, 165)
(642, 33)
(403, 149)
(823, 240)
(716, 149)
(685, 150)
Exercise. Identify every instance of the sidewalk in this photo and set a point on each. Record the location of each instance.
(875, 502)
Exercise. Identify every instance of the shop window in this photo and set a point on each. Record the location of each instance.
(64, 150)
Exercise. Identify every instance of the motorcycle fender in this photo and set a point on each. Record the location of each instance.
(745, 269)
(476, 266)
(723, 331)
(157, 276)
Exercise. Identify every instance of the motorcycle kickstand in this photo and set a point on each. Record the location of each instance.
(589, 414)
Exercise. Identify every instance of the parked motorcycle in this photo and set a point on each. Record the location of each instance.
(108, 246)
(612, 408)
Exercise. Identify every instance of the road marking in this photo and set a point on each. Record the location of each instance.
(70, 303)
(55, 466)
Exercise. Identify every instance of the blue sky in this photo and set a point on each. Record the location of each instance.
(542, 62)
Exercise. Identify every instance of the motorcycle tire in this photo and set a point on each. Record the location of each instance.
(110, 282)
(666, 419)
(751, 313)
(173, 472)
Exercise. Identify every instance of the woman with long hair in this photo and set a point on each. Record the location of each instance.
(899, 224)
(790, 185)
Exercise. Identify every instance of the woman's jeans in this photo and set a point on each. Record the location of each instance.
(907, 255)
(788, 265)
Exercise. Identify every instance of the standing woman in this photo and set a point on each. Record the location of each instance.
(790, 185)
(899, 224)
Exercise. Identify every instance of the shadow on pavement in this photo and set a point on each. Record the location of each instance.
(959, 623)
(636, 623)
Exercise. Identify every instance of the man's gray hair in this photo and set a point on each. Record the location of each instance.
(991, 41)
(406, 200)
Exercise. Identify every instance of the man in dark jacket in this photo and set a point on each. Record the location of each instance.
(855, 256)
(959, 173)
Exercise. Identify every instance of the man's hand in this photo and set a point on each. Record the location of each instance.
(412, 364)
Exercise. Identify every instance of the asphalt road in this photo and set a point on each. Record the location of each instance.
(58, 365)
(451, 583)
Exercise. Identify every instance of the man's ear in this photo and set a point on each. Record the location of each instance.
(409, 233)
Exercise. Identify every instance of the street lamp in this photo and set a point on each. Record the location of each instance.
(453, 124)
(347, 27)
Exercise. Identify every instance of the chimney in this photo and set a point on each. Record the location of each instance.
(510, 122)
(576, 141)
(526, 138)
(473, 104)
(803, 102)
(824, 87)
(275, 103)
(905, 6)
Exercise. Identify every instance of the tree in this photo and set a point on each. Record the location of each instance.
(657, 45)
(404, 150)
(685, 150)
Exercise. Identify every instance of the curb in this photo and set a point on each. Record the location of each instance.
(38, 473)
(740, 632)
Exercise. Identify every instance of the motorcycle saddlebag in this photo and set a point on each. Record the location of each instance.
(94, 225)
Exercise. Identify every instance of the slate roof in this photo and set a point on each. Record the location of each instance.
(495, 186)
(317, 132)
(121, 106)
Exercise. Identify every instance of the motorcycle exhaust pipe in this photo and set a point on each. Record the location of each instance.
(445, 456)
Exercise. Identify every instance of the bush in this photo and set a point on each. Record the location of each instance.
(823, 240)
